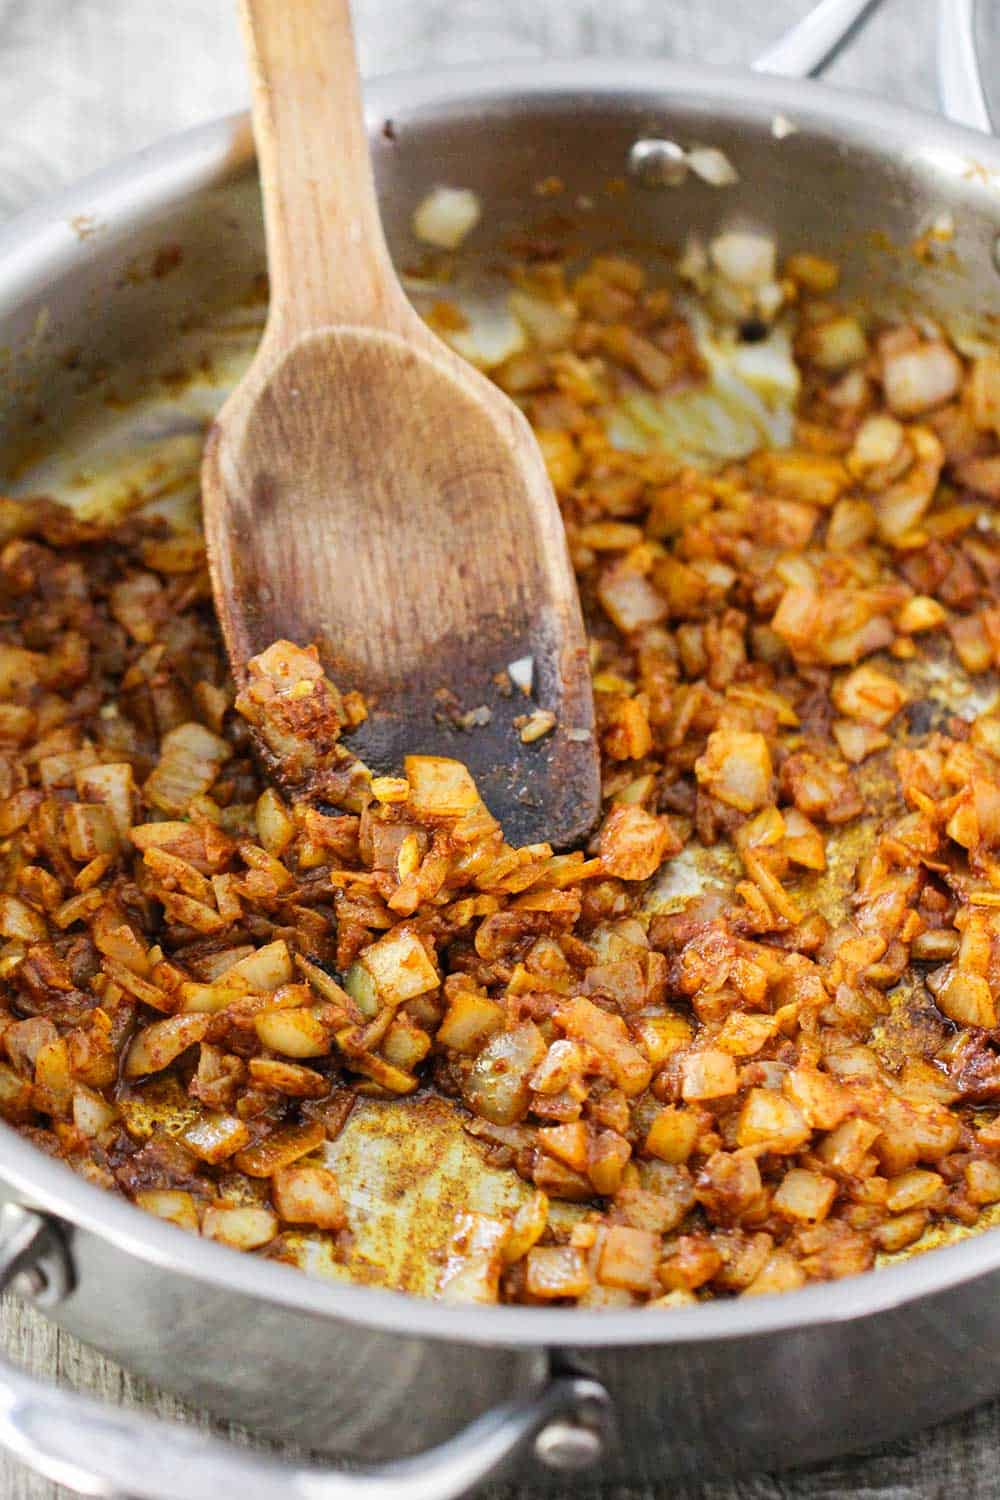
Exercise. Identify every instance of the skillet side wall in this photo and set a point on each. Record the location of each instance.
(288, 1374)
(84, 315)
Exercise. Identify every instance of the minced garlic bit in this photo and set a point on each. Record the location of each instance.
(475, 718)
(769, 1082)
(446, 216)
(712, 166)
(534, 725)
(522, 673)
(744, 258)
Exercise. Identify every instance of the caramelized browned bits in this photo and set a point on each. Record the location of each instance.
(786, 1071)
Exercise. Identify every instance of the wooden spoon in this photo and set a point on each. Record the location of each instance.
(366, 490)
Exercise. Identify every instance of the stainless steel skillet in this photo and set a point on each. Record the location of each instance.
(86, 286)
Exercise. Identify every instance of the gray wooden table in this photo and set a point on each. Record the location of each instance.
(84, 81)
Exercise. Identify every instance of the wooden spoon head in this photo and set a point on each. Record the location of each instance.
(393, 508)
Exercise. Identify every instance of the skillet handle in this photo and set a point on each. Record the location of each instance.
(120, 1455)
(808, 48)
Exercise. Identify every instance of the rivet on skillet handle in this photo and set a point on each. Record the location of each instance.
(808, 49)
(119, 1455)
(804, 51)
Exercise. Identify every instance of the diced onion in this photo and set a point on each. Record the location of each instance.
(446, 216)
(744, 258)
(712, 166)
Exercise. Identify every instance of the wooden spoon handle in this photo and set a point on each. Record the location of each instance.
(326, 253)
